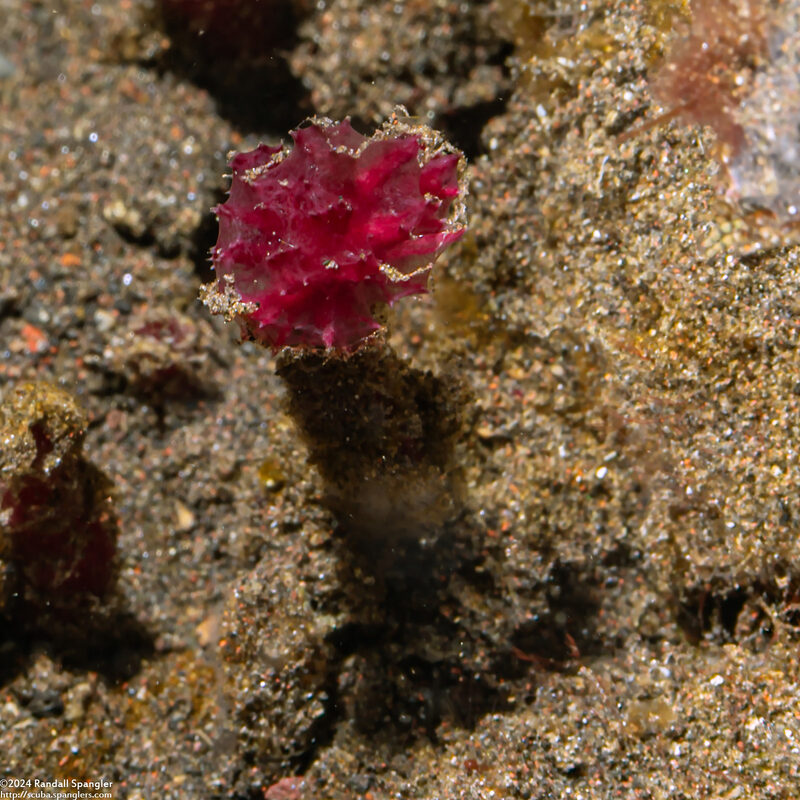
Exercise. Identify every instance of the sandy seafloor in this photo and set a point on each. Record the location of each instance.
(588, 591)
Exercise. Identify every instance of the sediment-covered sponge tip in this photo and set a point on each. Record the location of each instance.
(315, 239)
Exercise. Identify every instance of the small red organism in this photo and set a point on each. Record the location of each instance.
(734, 67)
(709, 70)
(315, 239)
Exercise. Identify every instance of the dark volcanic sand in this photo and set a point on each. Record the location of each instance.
(587, 585)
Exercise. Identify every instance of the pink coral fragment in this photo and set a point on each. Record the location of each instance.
(313, 240)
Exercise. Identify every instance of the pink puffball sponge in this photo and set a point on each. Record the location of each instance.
(316, 239)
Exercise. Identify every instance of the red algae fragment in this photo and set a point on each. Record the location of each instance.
(164, 355)
(316, 239)
(57, 526)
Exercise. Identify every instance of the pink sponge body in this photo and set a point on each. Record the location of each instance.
(315, 239)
